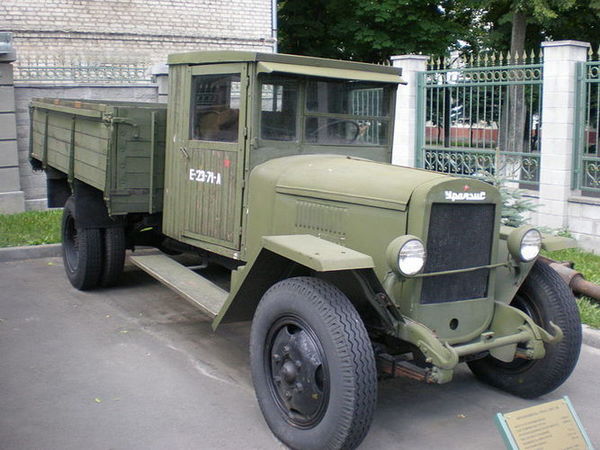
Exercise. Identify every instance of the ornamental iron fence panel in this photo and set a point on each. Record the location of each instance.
(481, 117)
(367, 102)
(81, 70)
(586, 152)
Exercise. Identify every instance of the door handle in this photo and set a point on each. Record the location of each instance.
(185, 153)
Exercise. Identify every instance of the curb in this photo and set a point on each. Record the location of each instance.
(29, 252)
(591, 336)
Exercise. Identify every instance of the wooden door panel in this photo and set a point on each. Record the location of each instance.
(211, 187)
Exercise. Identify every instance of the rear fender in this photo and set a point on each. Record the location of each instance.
(90, 209)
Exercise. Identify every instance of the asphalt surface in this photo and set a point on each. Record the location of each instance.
(136, 367)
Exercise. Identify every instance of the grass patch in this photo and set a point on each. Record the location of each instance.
(30, 228)
(589, 311)
(589, 265)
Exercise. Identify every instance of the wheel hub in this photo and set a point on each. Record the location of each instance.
(289, 372)
(298, 381)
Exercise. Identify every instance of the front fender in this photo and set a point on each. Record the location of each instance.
(317, 254)
(509, 278)
(280, 257)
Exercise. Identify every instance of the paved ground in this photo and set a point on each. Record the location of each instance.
(136, 367)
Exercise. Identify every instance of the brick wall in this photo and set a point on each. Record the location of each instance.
(584, 221)
(140, 31)
(150, 29)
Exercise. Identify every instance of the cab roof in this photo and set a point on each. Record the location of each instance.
(302, 65)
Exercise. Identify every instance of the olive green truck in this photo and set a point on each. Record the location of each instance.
(350, 268)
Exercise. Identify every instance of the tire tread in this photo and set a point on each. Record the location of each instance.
(89, 265)
(113, 255)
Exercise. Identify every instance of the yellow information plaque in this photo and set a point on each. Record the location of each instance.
(549, 426)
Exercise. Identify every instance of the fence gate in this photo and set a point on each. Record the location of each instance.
(481, 117)
(586, 154)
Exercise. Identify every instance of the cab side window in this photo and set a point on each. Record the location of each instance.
(279, 105)
(215, 108)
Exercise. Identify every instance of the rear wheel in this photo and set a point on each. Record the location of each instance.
(113, 255)
(313, 366)
(544, 297)
(81, 249)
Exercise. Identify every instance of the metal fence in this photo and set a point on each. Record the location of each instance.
(586, 160)
(481, 117)
(81, 70)
(368, 102)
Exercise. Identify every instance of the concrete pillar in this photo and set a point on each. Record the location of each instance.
(558, 116)
(160, 74)
(403, 151)
(12, 198)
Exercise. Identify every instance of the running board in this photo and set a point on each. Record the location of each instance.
(196, 289)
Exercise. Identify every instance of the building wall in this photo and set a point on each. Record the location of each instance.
(584, 221)
(55, 39)
(135, 28)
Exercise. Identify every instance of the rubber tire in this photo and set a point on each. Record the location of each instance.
(113, 255)
(349, 354)
(85, 273)
(551, 298)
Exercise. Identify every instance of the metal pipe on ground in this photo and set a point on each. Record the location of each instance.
(574, 279)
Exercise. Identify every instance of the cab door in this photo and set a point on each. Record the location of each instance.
(205, 180)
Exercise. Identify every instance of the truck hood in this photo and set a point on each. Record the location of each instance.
(345, 179)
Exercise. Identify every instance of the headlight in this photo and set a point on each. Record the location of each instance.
(525, 244)
(406, 255)
(531, 245)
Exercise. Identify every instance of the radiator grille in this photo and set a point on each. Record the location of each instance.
(460, 236)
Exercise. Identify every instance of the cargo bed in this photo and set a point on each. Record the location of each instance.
(115, 147)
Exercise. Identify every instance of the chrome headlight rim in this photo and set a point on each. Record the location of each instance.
(525, 243)
(407, 247)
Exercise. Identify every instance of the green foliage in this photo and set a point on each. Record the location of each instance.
(514, 204)
(589, 265)
(546, 20)
(589, 312)
(586, 263)
(372, 31)
(30, 228)
(369, 31)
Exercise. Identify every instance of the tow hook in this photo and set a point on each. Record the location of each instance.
(548, 338)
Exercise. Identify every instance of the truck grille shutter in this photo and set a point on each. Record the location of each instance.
(460, 236)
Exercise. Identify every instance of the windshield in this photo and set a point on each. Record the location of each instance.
(335, 112)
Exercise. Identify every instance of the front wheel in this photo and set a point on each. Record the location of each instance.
(313, 366)
(544, 297)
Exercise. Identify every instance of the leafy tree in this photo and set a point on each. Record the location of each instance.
(519, 25)
(370, 30)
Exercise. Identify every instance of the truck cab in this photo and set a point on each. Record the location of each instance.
(232, 111)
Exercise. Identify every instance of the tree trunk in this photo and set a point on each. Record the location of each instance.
(519, 29)
(513, 132)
